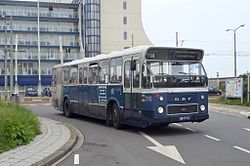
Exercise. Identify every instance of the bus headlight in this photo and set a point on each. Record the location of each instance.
(161, 98)
(202, 97)
(160, 110)
(202, 108)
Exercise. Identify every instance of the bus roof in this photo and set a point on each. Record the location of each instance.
(129, 51)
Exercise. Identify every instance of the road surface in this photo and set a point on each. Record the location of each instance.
(223, 140)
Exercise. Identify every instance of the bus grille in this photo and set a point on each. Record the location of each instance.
(181, 109)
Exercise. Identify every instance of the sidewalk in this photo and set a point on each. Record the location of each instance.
(54, 142)
(241, 111)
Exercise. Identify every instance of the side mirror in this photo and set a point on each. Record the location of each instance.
(133, 65)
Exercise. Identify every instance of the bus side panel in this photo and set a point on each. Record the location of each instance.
(73, 98)
(93, 101)
(115, 92)
(83, 100)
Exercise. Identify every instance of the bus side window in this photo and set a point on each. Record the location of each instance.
(136, 79)
(94, 73)
(66, 76)
(116, 70)
(103, 71)
(80, 75)
(73, 75)
(127, 74)
(85, 75)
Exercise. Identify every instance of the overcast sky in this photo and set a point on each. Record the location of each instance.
(202, 24)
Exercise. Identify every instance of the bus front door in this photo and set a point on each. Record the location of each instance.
(131, 85)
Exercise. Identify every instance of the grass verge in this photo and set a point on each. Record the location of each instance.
(222, 100)
(18, 126)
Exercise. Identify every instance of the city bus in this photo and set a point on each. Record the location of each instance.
(141, 86)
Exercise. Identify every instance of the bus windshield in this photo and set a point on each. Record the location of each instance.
(164, 74)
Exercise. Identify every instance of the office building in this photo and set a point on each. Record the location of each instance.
(43, 34)
(49, 32)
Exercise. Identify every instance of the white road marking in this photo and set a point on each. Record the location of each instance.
(177, 124)
(213, 138)
(246, 129)
(242, 149)
(168, 151)
(190, 129)
(76, 159)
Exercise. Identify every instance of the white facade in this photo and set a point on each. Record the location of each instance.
(121, 25)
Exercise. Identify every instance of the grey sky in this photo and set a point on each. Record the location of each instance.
(202, 24)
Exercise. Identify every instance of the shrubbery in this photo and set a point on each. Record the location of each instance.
(18, 126)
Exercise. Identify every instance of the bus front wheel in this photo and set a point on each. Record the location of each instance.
(116, 117)
(66, 110)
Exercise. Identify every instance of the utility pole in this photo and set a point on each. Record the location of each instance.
(5, 60)
(11, 56)
(176, 36)
(16, 67)
(248, 87)
(39, 48)
(235, 52)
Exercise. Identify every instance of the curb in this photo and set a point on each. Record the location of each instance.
(224, 109)
(63, 150)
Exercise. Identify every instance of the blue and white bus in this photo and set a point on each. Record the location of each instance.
(140, 87)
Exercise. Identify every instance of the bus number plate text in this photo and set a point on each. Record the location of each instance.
(184, 118)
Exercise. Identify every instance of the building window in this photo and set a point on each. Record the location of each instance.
(125, 20)
(125, 35)
(124, 5)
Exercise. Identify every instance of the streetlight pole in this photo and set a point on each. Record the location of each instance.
(5, 59)
(11, 55)
(235, 52)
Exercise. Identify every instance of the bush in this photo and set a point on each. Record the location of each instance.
(18, 126)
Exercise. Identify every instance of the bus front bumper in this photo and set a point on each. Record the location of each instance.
(180, 118)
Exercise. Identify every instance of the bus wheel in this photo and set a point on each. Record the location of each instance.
(116, 117)
(66, 110)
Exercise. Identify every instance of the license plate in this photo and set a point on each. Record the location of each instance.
(184, 118)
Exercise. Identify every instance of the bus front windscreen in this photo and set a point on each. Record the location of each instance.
(165, 74)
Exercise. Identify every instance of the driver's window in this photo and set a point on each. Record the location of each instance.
(136, 79)
(127, 75)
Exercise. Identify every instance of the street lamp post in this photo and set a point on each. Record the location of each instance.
(235, 53)
(5, 58)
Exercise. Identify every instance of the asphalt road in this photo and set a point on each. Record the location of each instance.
(223, 140)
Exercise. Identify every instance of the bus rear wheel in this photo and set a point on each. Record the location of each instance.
(116, 117)
(66, 110)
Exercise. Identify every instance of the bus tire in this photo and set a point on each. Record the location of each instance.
(116, 116)
(109, 121)
(66, 109)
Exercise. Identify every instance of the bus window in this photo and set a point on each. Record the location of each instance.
(80, 75)
(103, 72)
(54, 76)
(85, 75)
(94, 73)
(66, 76)
(136, 79)
(127, 74)
(73, 75)
(116, 70)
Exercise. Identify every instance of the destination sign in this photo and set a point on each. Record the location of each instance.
(174, 54)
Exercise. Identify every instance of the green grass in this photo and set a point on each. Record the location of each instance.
(222, 100)
(18, 126)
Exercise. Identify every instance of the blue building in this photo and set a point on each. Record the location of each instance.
(42, 34)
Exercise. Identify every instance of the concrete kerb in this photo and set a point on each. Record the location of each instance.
(228, 109)
(63, 150)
